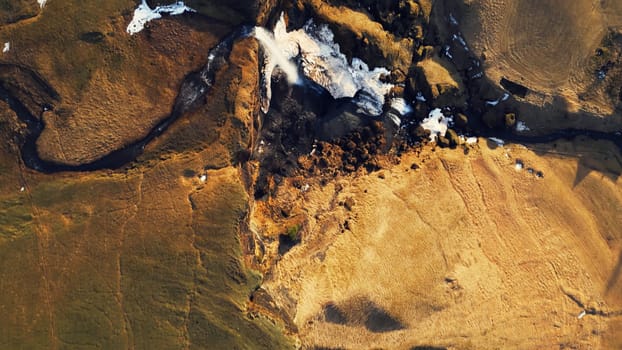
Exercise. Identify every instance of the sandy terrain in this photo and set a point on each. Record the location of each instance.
(465, 252)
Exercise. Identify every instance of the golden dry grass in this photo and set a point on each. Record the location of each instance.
(466, 252)
(113, 91)
(549, 47)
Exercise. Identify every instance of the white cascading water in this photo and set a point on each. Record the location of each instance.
(275, 56)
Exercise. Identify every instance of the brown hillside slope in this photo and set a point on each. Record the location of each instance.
(465, 252)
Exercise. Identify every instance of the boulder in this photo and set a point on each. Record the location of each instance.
(461, 120)
(454, 139)
(510, 120)
(443, 141)
(439, 82)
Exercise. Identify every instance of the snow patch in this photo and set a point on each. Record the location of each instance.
(436, 123)
(521, 126)
(447, 53)
(7, 47)
(143, 14)
(460, 39)
(323, 62)
(500, 99)
(468, 140)
(498, 141)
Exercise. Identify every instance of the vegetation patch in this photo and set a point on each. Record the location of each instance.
(15, 219)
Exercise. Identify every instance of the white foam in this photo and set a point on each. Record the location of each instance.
(420, 97)
(436, 123)
(521, 126)
(477, 76)
(7, 47)
(453, 20)
(468, 140)
(394, 118)
(447, 53)
(42, 3)
(498, 141)
(323, 62)
(459, 39)
(400, 105)
(143, 14)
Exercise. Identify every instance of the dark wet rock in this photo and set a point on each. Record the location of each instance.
(493, 119)
(341, 121)
(443, 141)
(359, 148)
(461, 120)
(416, 133)
(453, 138)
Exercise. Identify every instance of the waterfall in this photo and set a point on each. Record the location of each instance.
(275, 56)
